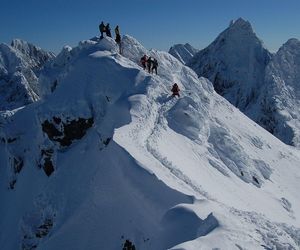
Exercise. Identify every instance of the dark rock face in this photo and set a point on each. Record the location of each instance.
(17, 164)
(44, 229)
(66, 132)
(32, 238)
(46, 161)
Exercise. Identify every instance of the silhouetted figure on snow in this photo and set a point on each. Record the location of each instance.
(149, 63)
(107, 30)
(175, 89)
(102, 29)
(118, 36)
(154, 66)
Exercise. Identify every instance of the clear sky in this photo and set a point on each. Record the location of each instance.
(156, 24)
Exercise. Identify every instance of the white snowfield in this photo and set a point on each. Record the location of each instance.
(184, 173)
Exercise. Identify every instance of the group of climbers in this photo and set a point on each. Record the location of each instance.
(106, 29)
(150, 63)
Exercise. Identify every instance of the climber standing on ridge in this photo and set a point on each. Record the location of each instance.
(154, 66)
(118, 38)
(144, 61)
(102, 29)
(175, 89)
(107, 30)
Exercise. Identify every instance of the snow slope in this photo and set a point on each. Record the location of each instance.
(20, 64)
(262, 85)
(183, 52)
(108, 155)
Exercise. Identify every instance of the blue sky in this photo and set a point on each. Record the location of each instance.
(155, 23)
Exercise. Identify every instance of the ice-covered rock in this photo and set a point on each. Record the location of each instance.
(20, 64)
(280, 97)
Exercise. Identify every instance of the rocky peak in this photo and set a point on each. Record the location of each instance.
(240, 23)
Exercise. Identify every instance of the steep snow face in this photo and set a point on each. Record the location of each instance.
(235, 63)
(20, 64)
(280, 100)
(113, 156)
(183, 52)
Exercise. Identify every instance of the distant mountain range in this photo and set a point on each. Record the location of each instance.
(20, 65)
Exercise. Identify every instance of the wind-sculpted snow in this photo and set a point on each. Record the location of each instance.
(161, 171)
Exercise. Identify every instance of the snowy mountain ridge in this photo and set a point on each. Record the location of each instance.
(260, 84)
(20, 64)
(183, 52)
(118, 158)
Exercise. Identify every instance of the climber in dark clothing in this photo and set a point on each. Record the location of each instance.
(175, 89)
(107, 30)
(102, 29)
(128, 245)
(118, 36)
(154, 66)
(149, 63)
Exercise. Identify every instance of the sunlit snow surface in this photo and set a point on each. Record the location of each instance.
(167, 173)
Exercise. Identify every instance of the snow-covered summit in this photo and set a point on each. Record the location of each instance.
(235, 63)
(109, 155)
(262, 85)
(183, 52)
(241, 24)
(20, 64)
